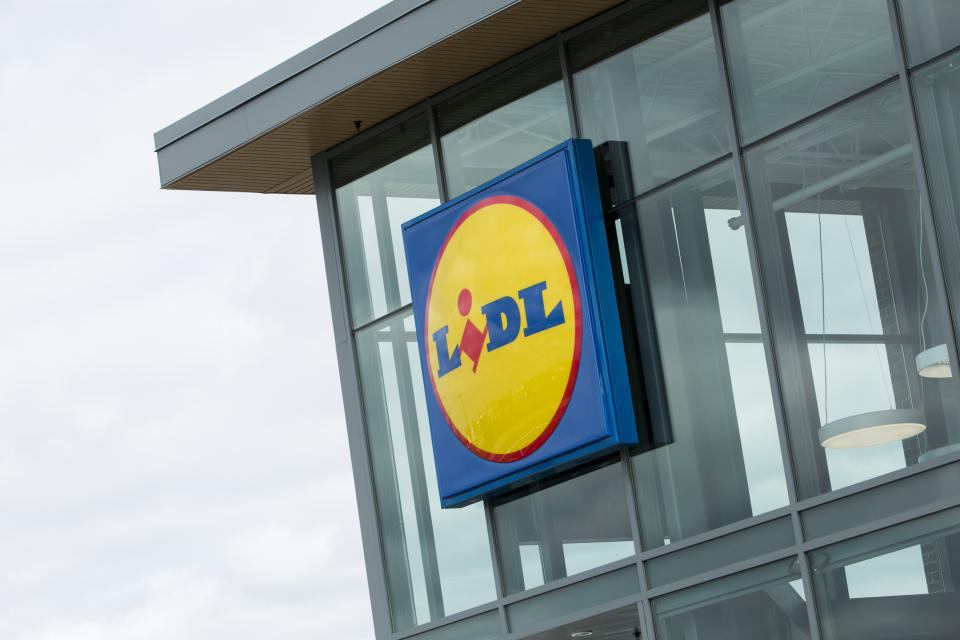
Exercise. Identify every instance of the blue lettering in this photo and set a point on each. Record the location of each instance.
(537, 320)
(503, 321)
(446, 362)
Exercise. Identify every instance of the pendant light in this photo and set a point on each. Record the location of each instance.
(863, 429)
(934, 362)
(869, 429)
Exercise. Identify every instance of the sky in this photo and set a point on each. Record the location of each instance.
(173, 455)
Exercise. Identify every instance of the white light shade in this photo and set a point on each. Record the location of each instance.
(934, 362)
(869, 429)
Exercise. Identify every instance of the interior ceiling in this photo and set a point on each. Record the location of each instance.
(279, 161)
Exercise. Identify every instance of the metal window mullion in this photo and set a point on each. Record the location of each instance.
(384, 319)
(388, 259)
(352, 398)
(347, 215)
(739, 171)
(648, 625)
(796, 125)
(437, 153)
(492, 539)
(497, 570)
(414, 461)
(567, 77)
(813, 615)
(643, 607)
(923, 186)
(940, 57)
(617, 210)
(644, 610)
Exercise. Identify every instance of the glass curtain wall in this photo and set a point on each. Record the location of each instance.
(797, 284)
(565, 529)
(437, 561)
(852, 295)
(791, 58)
(937, 97)
(486, 130)
(901, 582)
(725, 462)
(766, 602)
(930, 27)
(502, 122)
(651, 79)
(372, 204)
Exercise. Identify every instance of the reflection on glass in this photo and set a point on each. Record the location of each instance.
(858, 377)
(930, 27)
(371, 210)
(565, 529)
(661, 96)
(762, 603)
(938, 109)
(850, 282)
(847, 277)
(725, 463)
(504, 138)
(791, 58)
(437, 561)
(900, 582)
(502, 122)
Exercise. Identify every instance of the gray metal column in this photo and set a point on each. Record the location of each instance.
(352, 399)
(766, 323)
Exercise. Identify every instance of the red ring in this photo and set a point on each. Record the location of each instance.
(568, 391)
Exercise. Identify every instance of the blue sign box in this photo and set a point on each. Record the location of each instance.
(517, 326)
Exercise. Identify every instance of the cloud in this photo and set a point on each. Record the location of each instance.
(173, 455)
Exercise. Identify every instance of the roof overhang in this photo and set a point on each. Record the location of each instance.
(260, 136)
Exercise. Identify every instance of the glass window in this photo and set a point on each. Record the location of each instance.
(759, 604)
(937, 94)
(662, 97)
(850, 283)
(896, 583)
(791, 58)
(401, 185)
(930, 27)
(724, 464)
(437, 560)
(564, 529)
(502, 122)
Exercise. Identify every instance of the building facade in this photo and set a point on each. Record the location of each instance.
(779, 178)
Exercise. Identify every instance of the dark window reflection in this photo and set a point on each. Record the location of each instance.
(437, 560)
(502, 122)
(760, 604)
(661, 96)
(850, 280)
(564, 529)
(938, 109)
(791, 58)
(930, 27)
(901, 582)
(725, 463)
(400, 184)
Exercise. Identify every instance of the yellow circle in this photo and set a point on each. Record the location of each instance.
(504, 399)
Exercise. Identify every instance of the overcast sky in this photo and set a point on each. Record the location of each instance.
(173, 460)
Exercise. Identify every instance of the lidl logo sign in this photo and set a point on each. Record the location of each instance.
(517, 327)
(504, 336)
